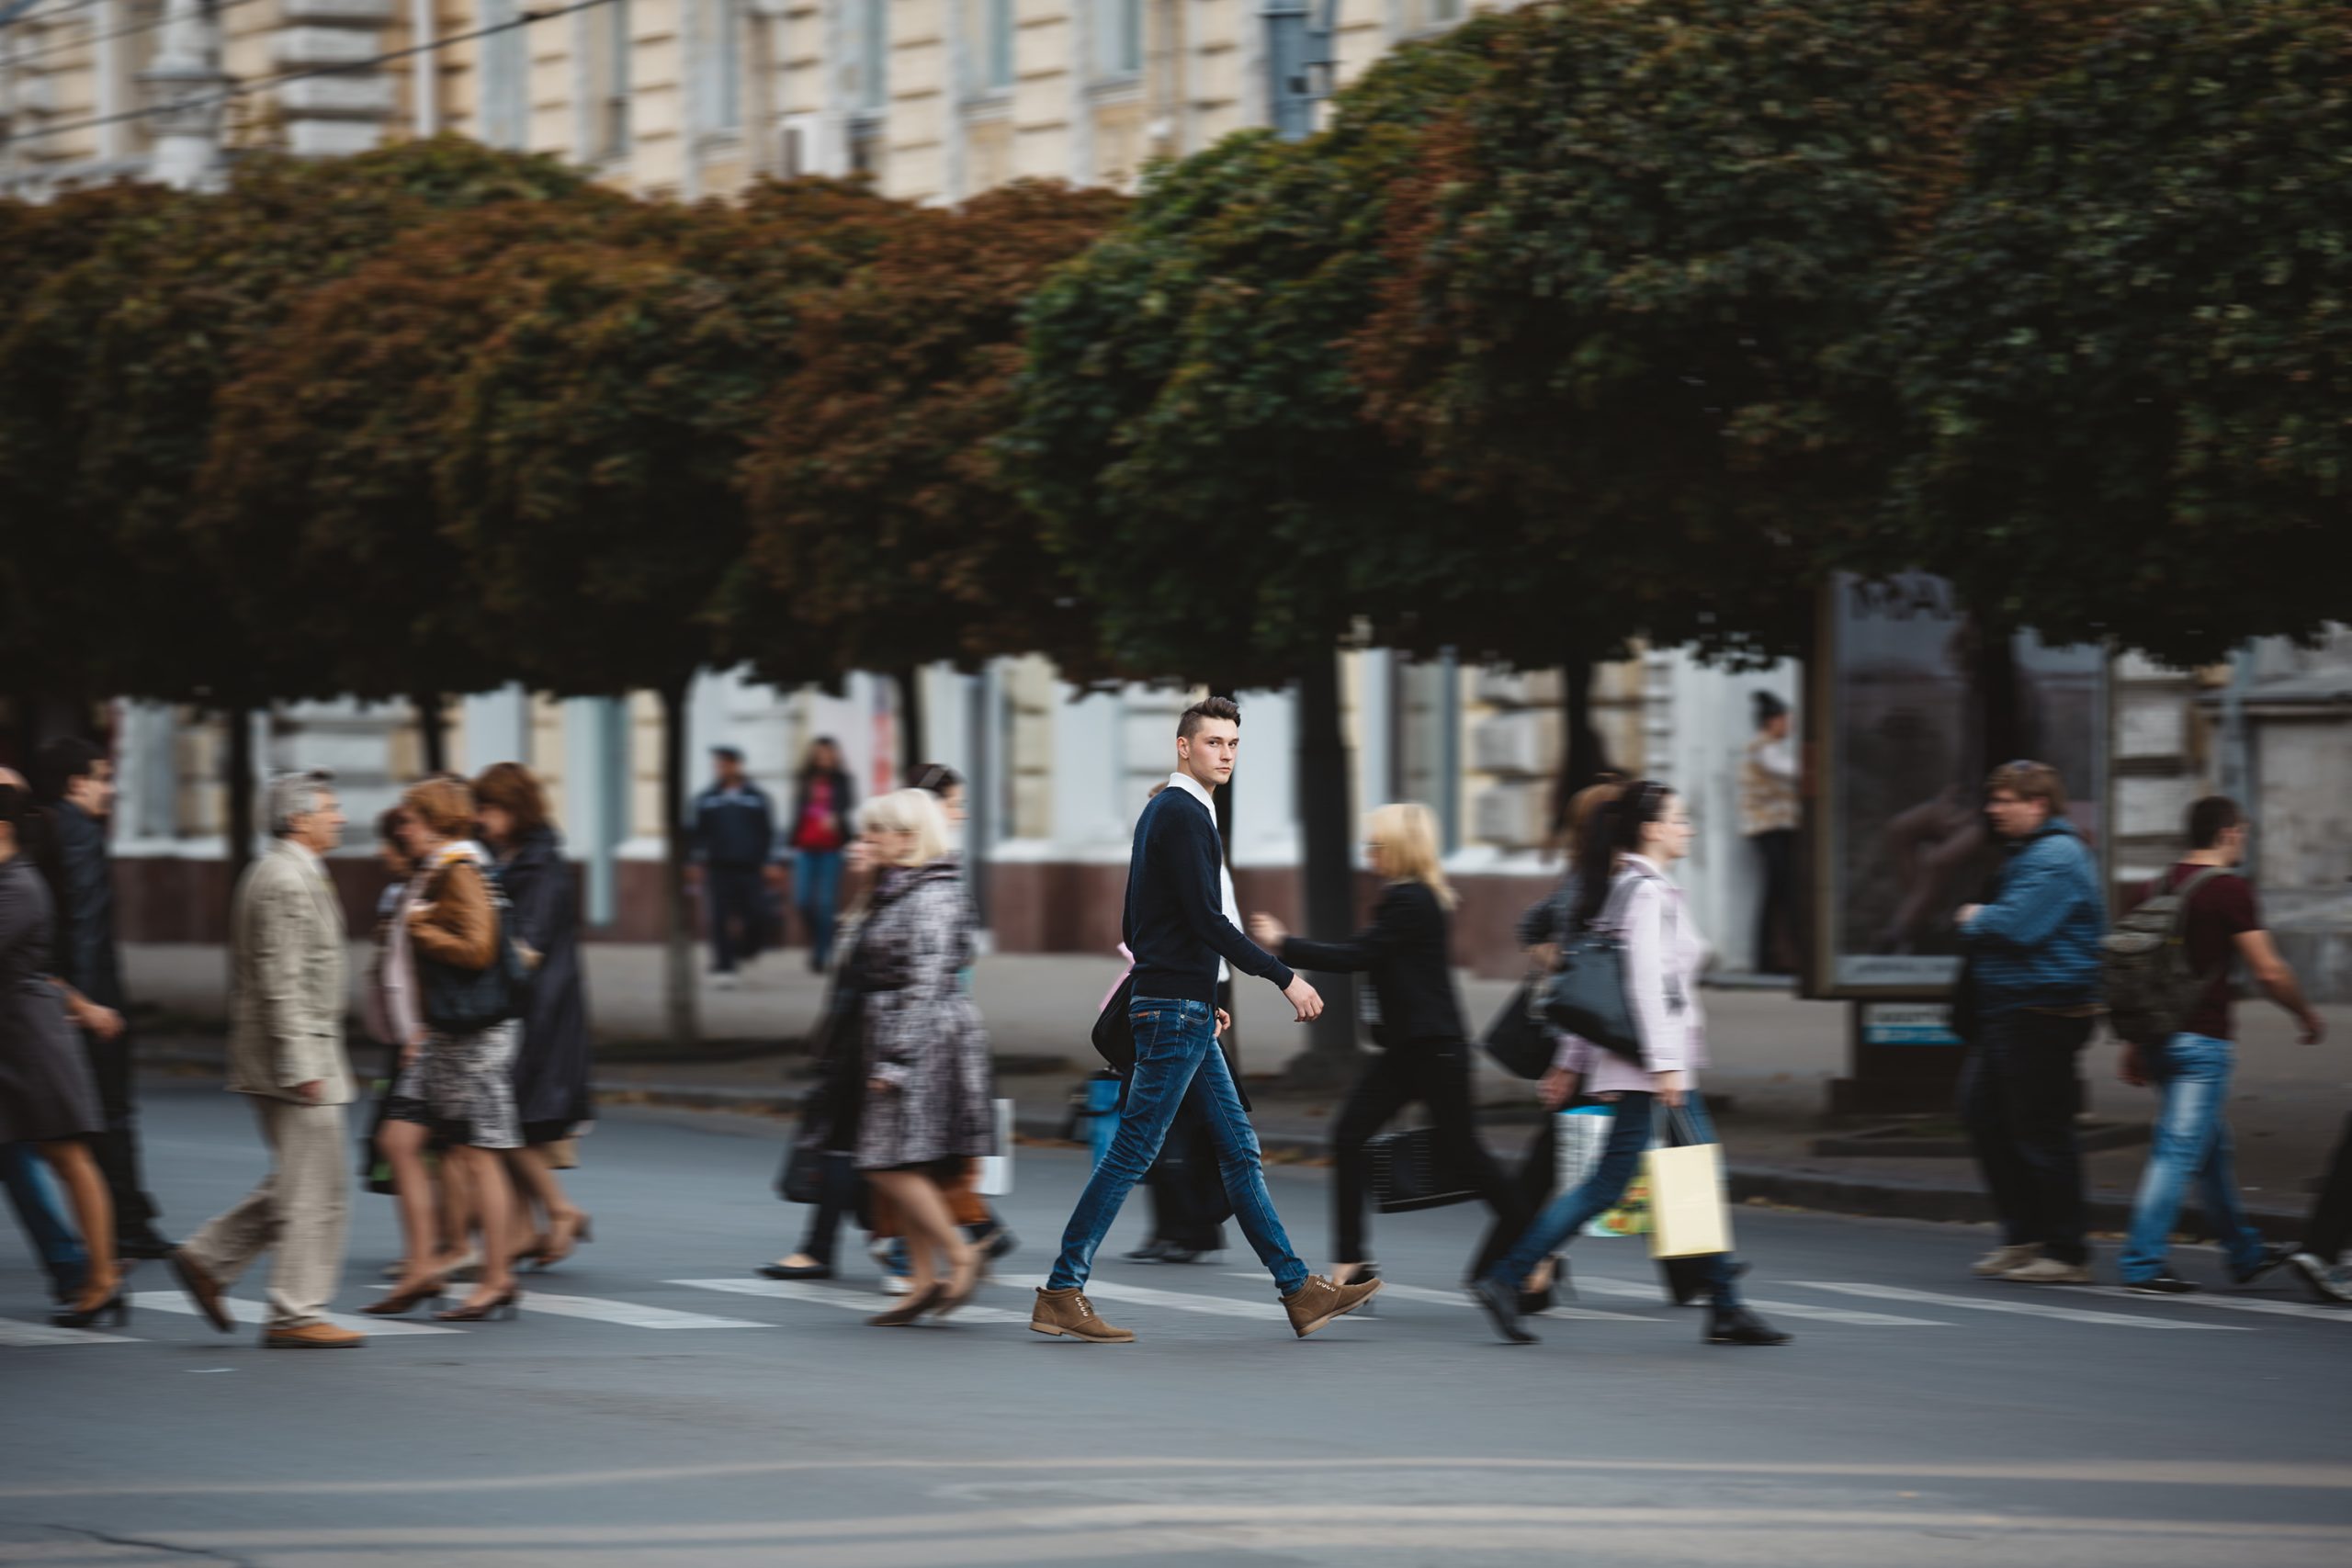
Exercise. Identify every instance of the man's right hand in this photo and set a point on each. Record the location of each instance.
(1303, 998)
(308, 1093)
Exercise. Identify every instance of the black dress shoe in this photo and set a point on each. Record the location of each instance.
(1149, 1252)
(2274, 1255)
(797, 1270)
(2165, 1284)
(1501, 1303)
(147, 1244)
(1737, 1326)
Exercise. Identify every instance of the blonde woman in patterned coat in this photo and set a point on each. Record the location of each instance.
(927, 1103)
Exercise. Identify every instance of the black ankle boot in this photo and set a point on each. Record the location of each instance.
(1737, 1326)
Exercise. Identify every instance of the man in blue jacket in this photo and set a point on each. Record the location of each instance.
(1177, 928)
(734, 842)
(2034, 964)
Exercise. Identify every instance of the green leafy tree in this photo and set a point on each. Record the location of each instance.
(885, 527)
(590, 476)
(2125, 356)
(1194, 432)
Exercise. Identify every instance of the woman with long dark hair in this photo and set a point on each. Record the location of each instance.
(823, 806)
(1424, 1053)
(551, 1063)
(1622, 886)
(48, 1097)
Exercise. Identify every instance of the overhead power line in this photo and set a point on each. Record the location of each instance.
(162, 19)
(258, 84)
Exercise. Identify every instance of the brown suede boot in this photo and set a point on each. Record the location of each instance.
(1068, 1312)
(1318, 1301)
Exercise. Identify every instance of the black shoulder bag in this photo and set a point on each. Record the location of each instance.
(1584, 993)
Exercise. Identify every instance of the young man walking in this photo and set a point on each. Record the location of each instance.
(2218, 924)
(2033, 952)
(1176, 929)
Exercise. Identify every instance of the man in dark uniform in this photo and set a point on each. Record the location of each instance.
(734, 843)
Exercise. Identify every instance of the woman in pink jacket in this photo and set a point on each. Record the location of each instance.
(1621, 875)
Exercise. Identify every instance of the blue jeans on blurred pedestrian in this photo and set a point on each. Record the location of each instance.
(1175, 1042)
(816, 888)
(32, 1192)
(2191, 1076)
(1564, 1218)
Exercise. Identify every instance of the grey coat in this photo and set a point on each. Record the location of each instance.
(922, 1035)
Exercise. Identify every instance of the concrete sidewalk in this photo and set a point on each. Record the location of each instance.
(1773, 1056)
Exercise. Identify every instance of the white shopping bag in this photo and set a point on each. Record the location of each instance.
(1687, 1215)
(996, 1171)
(1578, 1137)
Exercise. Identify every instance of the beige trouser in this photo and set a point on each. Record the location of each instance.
(301, 1208)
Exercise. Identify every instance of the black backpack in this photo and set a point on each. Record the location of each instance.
(2144, 963)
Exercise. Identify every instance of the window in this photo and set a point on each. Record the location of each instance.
(873, 47)
(610, 34)
(1118, 38)
(988, 46)
(506, 77)
(719, 64)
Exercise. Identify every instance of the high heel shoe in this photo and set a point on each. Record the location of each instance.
(115, 1310)
(547, 1256)
(486, 1312)
(955, 1297)
(400, 1302)
(905, 1312)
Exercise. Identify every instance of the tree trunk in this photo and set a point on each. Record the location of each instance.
(433, 729)
(237, 777)
(908, 679)
(1327, 826)
(1583, 758)
(678, 995)
(2000, 724)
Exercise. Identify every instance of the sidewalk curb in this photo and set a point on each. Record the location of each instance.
(1871, 1197)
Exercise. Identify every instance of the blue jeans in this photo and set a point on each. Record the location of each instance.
(32, 1190)
(1565, 1216)
(816, 888)
(2191, 1076)
(1175, 1042)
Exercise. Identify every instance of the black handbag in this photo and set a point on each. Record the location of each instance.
(1584, 993)
(1114, 1032)
(1409, 1172)
(802, 1179)
(1519, 1044)
(467, 1001)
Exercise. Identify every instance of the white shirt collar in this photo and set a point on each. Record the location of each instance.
(1192, 786)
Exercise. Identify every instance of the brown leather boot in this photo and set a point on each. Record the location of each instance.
(312, 1337)
(1069, 1313)
(1318, 1301)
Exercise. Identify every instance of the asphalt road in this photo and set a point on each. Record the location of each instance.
(657, 1404)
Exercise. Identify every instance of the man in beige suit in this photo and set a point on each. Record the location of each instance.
(285, 1009)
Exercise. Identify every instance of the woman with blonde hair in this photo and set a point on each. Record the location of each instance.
(1424, 1052)
(927, 1106)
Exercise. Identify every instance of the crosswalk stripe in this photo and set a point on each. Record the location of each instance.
(1806, 1310)
(831, 1296)
(15, 1331)
(2020, 1309)
(1462, 1299)
(254, 1311)
(628, 1314)
(1178, 1301)
(2232, 1303)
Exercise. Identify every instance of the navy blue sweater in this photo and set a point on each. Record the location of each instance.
(1175, 922)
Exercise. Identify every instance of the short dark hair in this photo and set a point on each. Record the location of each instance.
(63, 760)
(1200, 713)
(2029, 781)
(936, 777)
(2210, 817)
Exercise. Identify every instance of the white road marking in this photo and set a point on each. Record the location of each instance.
(834, 1296)
(1179, 1301)
(15, 1331)
(2020, 1309)
(257, 1311)
(2234, 1303)
(1787, 1308)
(1462, 1299)
(628, 1315)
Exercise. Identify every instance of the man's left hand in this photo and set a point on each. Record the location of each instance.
(1966, 914)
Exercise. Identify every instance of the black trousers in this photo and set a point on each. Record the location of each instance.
(2329, 1229)
(1189, 1207)
(1438, 1076)
(837, 1199)
(1776, 911)
(738, 913)
(117, 1148)
(2017, 1097)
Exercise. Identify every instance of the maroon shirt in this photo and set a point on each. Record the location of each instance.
(2218, 911)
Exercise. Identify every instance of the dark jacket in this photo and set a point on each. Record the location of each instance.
(1550, 918)
(2036, 943)
(1175, 922)
(734, 828)
(551, 1064)
(844, 803)
(1405, 949)
(86, 949)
